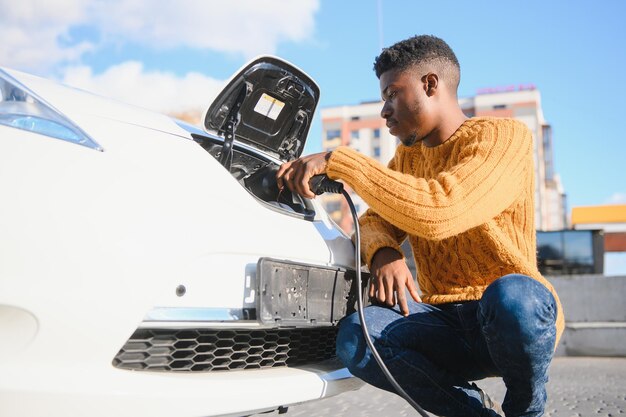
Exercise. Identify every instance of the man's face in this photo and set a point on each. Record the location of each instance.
(407, 109)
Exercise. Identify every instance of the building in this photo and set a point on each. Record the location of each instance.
(611, 222)
(361, 127)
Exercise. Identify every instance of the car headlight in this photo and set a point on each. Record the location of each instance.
(23, 109)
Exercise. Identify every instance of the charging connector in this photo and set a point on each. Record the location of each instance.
(321, 184)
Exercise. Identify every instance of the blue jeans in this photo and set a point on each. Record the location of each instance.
(435, 351)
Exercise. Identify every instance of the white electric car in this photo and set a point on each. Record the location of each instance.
(151, 268)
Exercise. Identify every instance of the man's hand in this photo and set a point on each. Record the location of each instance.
(390, 277)
(297, 173)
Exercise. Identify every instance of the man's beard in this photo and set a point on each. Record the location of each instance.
(410, 140)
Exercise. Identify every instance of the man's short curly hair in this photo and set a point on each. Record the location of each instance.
(417, 50)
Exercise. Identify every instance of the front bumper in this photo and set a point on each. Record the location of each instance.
(62, 390)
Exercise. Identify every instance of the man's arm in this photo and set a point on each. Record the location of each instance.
(380, 247)
(380, 240)
(390, 275)
(491, 174)
(377, 233)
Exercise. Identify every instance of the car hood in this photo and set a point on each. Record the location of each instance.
(74, 103)
(269, 104)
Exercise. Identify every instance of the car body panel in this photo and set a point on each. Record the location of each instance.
(90, 242)
(128, 393)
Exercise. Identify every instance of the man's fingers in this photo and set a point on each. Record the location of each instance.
(413, 290)
(297, 173)
(280, 174)
(372, 287)
(404, 307)
(302, 184)
(390, 298)
(380, 289)
(287, 179)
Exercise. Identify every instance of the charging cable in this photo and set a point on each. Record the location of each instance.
(320, 184)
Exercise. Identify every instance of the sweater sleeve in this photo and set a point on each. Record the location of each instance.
(377, 233)
(492, 171)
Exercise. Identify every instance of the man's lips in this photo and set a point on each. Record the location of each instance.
(391, 123)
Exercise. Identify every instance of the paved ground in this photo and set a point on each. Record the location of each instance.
(578, 387)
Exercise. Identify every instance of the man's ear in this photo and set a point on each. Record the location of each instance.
(431, 83)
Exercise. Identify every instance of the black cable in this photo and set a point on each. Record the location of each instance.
(320, 184)
(359, 301)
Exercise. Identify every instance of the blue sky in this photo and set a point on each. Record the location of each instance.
(174, 55)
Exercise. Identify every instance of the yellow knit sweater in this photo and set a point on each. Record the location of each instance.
(467, 207)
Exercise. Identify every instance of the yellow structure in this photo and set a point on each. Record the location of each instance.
(599, 214)
(610, 219)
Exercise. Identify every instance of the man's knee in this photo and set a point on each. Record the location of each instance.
(518, 301)
(351, 347)
(387, 328)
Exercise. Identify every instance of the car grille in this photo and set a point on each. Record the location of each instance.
(221, 350)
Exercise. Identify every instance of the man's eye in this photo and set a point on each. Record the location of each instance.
(390, 95)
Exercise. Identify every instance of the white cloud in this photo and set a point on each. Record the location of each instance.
(616, 198)
(38, 36)
(31, 29)
(154, 90)
(244, 26)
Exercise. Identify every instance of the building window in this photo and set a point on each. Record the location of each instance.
(377, 151)
(499, 106)
(376, 133)
(570, 252)
(354, 134)
(332, 134)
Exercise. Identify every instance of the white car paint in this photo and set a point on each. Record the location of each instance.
(91, 241)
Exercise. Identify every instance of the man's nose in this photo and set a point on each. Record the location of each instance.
(386, 111)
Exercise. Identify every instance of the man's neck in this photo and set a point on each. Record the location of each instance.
(446, 128)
